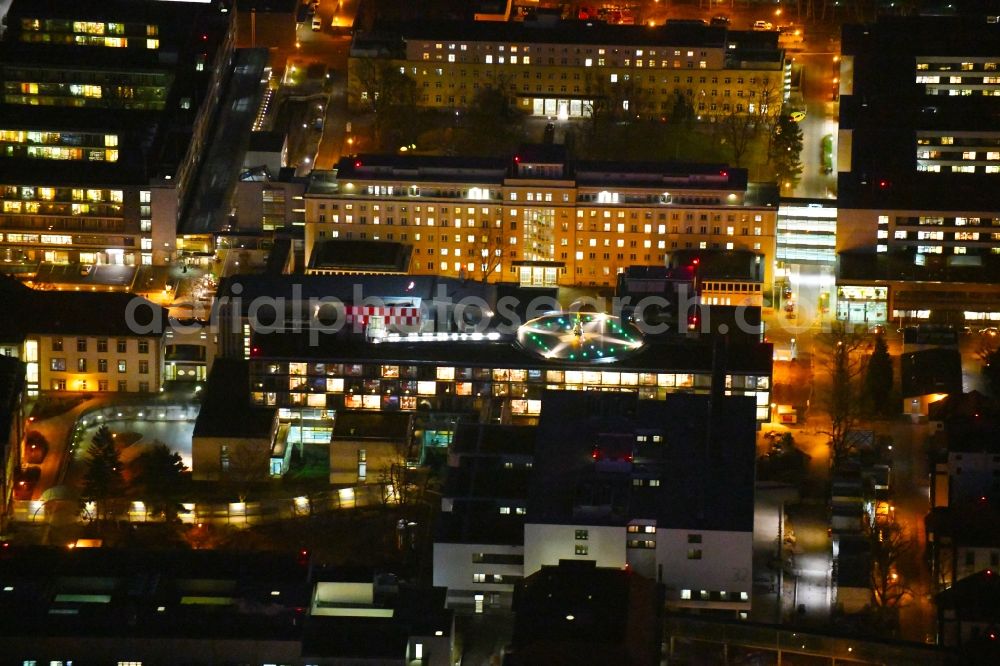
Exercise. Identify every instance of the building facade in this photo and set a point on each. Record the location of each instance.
(608, 487)
(539, 219)
(96, 363)
(464, 374)
(80, 341)
(104, 117)
(918, 162)
(563, 69)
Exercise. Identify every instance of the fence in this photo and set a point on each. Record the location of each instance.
(243, 514)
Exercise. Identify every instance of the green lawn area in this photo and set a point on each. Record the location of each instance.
(438, 133)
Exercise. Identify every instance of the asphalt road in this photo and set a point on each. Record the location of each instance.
(816, 76)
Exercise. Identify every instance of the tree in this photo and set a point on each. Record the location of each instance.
(889, 548)
(842, 395)
(390, 95)
(786, 149)
(487, 251)
(991, 370)
(248, 464)
(989, 353)
(878, 379)
(493, 126)
(158, 475)
(681, 110)
(103, 482)
(401, 484)
(738, 129)
(610, 104)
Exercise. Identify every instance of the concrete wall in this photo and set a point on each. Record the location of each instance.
(726, 563)
(89, 380)
(857, 229)
(981, 558)
(853, 599)
(345, 458)
(547, 544)
(244, 456)
(163, 201)
(454, 569)
(979, 472)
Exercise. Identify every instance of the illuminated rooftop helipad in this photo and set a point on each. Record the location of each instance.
(583, 337)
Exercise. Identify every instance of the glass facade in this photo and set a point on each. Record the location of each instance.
(440, 387)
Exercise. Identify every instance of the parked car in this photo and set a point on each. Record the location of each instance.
(25, 481)
(763, 25)
(35, 448)
(720, 20)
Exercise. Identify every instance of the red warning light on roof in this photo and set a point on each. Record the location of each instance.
(517, 158)
(357, 164)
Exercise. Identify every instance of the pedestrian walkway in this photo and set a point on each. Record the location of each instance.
(238, 514)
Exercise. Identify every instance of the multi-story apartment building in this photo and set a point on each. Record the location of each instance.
(540, 218)
(918, 224)
(12, 391)
(664, 489)
(105, 112)
(487, 373)
(83, 341)
(562, 69)
(595, 482)
(479, 536)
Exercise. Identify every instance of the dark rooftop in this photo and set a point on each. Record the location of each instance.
(568, 32)
(11, 385)
(226, 410)
(361, 256)
(854, 561)
(75, 313)
(704, 484)
(888, 106)
(347, 287)
(393, 426)
(970, 524)
(956, 269)
(936, 370)
(603, 615)
(671, 176)
(679, 356)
